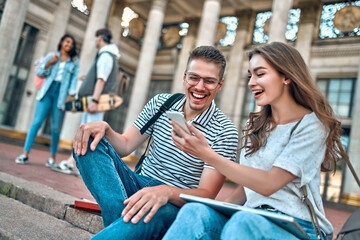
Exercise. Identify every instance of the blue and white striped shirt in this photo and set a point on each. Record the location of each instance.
(168, 164)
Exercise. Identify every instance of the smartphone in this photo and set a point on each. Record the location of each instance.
(179, 119)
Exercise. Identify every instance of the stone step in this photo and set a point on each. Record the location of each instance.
(44, 200)
(20, 221)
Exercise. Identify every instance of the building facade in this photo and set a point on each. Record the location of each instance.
(154, 47)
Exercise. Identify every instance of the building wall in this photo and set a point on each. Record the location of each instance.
(327, 58)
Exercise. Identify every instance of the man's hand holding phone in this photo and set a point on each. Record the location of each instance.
(178, 118)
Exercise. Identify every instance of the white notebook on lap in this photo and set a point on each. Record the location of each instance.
(286, 222)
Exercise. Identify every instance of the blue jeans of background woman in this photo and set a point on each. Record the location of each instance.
(198, 221)
(43, 106)
(110, 182)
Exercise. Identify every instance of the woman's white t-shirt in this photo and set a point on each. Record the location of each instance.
(300, 154)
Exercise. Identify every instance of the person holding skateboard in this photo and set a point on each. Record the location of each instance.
(61, 70)
(102, 78)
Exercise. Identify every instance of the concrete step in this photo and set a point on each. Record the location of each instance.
(35, 197)
(20, 221)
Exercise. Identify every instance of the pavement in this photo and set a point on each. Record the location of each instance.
(38, 203)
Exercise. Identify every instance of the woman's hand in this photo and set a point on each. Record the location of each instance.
(51, 61)
(194, 143)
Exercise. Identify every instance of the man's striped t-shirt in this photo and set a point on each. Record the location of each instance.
(168, 164)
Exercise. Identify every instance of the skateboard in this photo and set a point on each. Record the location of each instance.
(106, 102)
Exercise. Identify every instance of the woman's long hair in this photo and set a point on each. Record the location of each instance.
(288, 61)
(72, 52)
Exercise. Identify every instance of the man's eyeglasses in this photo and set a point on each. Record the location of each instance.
(193, 79)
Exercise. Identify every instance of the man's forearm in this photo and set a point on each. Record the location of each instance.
(99, 86)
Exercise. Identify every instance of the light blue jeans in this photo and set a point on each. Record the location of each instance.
(43, 106)
(110, 182)
(198, 221)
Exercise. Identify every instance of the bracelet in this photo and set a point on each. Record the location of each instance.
(95, 101)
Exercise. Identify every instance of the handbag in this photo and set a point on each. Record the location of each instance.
(307, 202)
(166, 105)
(39, 80)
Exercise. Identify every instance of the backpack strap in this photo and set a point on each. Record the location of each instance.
(166, 105)
(305, 199)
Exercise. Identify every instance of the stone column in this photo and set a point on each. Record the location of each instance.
(59, 24)
(233, 90)
(279, 20)
(208, 23)
(351, 189)
(46, 41)
(188, 44)
(114, 21)
(28, 101)
(305, 35)
(11, 25)
(98, 16)
(146, 60)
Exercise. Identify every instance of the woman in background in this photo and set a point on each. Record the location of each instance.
(61, 70)
(284, 147)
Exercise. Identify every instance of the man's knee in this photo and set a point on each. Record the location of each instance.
(100, 147)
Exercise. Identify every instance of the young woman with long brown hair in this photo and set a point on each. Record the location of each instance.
(284, 147)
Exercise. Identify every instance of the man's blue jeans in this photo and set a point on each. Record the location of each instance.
(198, 221)
(47, 103)
(110, 181)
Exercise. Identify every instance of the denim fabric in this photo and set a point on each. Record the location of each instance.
(198, 221)
(110, 181)
(68, 80)
(43, 106)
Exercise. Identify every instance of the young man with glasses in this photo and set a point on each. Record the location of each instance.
(143, 206)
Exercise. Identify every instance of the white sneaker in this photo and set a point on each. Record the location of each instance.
(63, 167)
(50, 162)
(22, 159)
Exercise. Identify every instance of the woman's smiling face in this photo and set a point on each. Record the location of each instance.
(267, 84)
(67, 44)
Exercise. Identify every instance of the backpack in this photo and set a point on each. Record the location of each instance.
(39, 80)
(351, 228)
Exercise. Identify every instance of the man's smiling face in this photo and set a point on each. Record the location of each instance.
(199, 96)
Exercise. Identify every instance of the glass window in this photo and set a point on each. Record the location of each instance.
(248, 107)
(15, 88)
(159, 86)
(231, 23)
(340, 94)
(172, 34)
(80, 6)
(116, 118)
(327, 28)
(260, 36)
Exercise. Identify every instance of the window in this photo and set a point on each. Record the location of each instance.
(231, 23)
(172, 35)
(327, 28)
(80, 6)
(248, 107)
(157, 87)
(340, 93)
(262, 25)
(116, 118)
